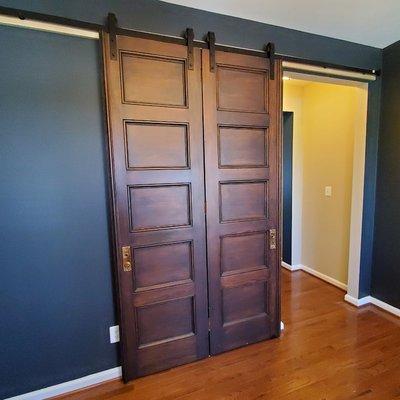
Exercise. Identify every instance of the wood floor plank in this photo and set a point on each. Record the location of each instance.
(329, 350)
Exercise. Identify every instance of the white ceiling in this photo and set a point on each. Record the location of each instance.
(371, 22)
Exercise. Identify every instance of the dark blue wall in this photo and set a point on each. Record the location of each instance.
(56, 302)
(287, 167)
(385, 283)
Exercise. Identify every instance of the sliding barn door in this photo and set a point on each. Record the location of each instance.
(241, 118)
(156, 146)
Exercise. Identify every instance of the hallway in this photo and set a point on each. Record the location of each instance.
(329, 350)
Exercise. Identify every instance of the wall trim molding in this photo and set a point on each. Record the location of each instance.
(385, 306)
(372, 300)
(70, 386)
(291, 267)
(315, 273)
(357, 302)
(48, 27)
(324, 277)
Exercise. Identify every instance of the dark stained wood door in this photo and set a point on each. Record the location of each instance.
(241, 119)
(156, 146)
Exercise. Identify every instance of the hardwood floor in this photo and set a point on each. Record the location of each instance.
(329, 350)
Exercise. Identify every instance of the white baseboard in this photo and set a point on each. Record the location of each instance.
(318, 274)
(291, 267)
(357, 302)
(372, 300)
(70, 386)
(324, 277)
(385, 306)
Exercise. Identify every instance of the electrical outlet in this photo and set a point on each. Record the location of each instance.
(114, 334)
(328, 191)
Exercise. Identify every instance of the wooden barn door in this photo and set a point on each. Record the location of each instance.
(156, 141)
(172, 178)
(241, 106)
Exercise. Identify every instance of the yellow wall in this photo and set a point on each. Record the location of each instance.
(325, 122)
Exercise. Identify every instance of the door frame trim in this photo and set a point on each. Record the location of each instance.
(358, 171)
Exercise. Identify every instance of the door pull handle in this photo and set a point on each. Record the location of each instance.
(272, 239)
(126, 258)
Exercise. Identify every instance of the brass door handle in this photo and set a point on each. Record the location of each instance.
(272, 239)
(126, 258)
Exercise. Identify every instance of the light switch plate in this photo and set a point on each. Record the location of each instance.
(328, 191)
(114, 334)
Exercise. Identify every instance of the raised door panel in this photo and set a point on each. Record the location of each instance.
(160, 206)
(153, 80)
(241, 147)
(241, 111)
(243, 251)
(174, 319)
(156, 144)
(163, 264)
(244, 303)
(241, 89)
(243, 200)
(151, 145)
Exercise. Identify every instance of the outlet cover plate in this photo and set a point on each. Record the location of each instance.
(114, 334)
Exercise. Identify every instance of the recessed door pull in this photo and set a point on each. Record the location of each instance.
(126, 258)
(272, 239)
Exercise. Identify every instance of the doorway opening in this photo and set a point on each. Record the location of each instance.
(324, 134)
